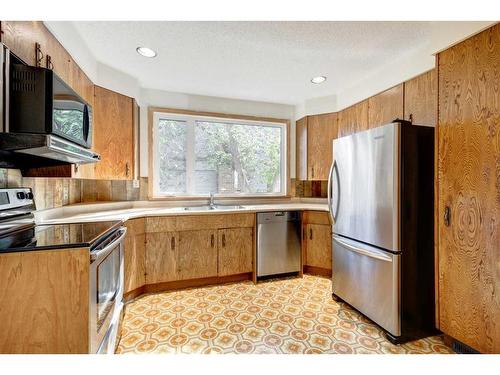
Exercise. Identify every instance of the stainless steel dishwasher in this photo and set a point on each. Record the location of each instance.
(278, 243)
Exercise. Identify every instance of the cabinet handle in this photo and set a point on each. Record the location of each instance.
(212, 240)
(447, 214)
(48, 62)
(310, 233)
(223, 240)
(127, 169)
(312, 172)
(172, 243)
(38, 55)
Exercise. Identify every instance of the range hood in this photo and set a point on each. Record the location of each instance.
(47, 146)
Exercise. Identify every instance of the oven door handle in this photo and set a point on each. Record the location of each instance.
(102, 253)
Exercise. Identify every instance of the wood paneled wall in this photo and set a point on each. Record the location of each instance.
(469, 185)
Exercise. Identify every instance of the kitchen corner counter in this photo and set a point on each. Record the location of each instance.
(106, 211)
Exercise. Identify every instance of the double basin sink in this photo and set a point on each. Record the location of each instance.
(215, 207)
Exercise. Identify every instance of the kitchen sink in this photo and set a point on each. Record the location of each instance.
(214, 208)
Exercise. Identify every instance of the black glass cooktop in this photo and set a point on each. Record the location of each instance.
(57, 236)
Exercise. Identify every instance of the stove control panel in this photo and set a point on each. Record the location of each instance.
(11, 199)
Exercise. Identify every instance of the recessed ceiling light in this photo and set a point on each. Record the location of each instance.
(318, 80)
(146, 52)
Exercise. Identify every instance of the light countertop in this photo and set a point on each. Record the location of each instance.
(107, 211)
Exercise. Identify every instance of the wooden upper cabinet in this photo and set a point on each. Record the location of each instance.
(314, 145)
(421, 99)
(468, 165)
(301, 154)
(385, 107)
(81, 83)
(20, 37)
(114, 134)
(235, 251)
(321, 131)
(353, 119)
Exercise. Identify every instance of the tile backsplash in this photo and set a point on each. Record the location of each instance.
(309, 189)
(53, 192)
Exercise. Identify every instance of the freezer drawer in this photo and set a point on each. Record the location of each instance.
(368, 279)
(278, 243)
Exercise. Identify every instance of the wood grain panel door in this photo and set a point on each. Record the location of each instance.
(385, 107)
(162, 257)
(301, 148)
(197, 254)
(113, 135)
(235, 251)
(20, 37)
(318, 246)
(469, 198)
(420, 99)
(353, 119)
(45, 302)
(321, 131)
(135, 255)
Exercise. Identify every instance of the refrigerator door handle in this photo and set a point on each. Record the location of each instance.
(329, 195)
(369, 253)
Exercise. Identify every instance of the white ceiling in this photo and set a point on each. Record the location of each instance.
(262, 61)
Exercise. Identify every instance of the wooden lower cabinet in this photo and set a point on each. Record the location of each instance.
(197, 254)
(135, 255)
(162, 257)
(318, 246)
(44, 302)
(235, 251)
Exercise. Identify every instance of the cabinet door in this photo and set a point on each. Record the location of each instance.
(301, 154)
(353, 119)
(421, 99)
(20, 37)
(468, 191)
(197, 254)
(235, 251)
(321, 131)
(162, 257)
(318, 246)
(385, 107)
(113, 135)
(135, 267)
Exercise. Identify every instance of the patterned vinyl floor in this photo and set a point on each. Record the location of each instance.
(281, 316)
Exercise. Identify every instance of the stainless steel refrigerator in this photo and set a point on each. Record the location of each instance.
(380, 197)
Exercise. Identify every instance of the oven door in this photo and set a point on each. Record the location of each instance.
(71, 115)
(106, 289)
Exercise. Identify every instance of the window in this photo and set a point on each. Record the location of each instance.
(198, 155)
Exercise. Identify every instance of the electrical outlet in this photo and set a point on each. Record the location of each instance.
(135, 184)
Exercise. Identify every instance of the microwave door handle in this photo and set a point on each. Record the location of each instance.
(86, 124)
(329, 194)
(102, 253)
(372, 254)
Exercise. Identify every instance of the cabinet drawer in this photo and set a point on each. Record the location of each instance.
(315, 217)
(160, 224)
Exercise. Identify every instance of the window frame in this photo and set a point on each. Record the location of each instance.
(155, 114)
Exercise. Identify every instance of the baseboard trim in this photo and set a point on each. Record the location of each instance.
(317, 271)
(184, 284)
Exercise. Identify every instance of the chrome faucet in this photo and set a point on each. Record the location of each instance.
(211, 202)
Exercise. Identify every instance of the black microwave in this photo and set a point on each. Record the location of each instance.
(42, 103)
